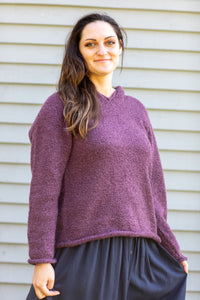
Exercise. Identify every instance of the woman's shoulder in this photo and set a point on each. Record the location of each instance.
(50, 113)
(53, 102)
(137, 105)
(52, 107)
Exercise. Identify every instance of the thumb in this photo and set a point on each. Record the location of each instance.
(185, 266)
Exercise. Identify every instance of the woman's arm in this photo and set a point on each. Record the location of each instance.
(168, 239)
(50, 150)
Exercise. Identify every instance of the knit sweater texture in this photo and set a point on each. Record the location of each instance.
(109, 184)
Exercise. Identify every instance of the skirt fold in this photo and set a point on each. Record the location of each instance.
(117, 268)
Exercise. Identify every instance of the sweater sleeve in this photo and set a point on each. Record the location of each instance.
(50, 151)
(168, 239)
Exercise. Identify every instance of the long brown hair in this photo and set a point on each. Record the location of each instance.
(77, 92)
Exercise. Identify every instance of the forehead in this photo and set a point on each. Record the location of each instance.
(97, 29)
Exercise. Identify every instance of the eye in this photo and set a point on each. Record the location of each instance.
(89, 44)
(110, 43)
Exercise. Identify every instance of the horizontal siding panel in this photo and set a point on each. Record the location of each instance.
(140, 19)
(168, 140)
(188, 6)
(172, 60)
(14, 133)
(173, 160)
(152, 59)
(174, 120)
(12, 153)
(193, 260)
(35, 94)
(40, 74)
(34, 74)
(184, 181)
(13, 213)
(159, 79)
(16, 273)
(17, 234)
(178, 200)
(137, 39)
(188, 241)
(192, 295)
(158, 99)
(31, 54)
(178, 140)
(169, 60)
(13, 253)
(141, 39)
(14, 193)
(178, 220)
(13, 173)
(172, 100)
(13, 234)
(30, 34)
(19, 254)
(182, 161)
(17, 113)
(184, 220)
(188, 181)
(20, 291)
(193, 282)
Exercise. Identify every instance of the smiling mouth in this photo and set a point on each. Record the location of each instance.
(102, 60)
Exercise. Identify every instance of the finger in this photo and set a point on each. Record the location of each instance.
(43, 292)
(185, 266)
(50, 284)
(39, 295)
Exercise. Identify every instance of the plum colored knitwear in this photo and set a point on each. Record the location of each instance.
(109, 184)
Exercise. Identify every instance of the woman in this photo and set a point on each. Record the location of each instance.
(97, 224)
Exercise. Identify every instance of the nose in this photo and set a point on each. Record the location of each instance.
(101, 50)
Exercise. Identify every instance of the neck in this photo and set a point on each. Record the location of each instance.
(103, 84)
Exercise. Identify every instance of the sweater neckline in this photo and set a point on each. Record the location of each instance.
(117, 93)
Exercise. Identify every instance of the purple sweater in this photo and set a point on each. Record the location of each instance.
(109, 184)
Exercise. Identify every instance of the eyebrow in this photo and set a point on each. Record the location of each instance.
(104, 39)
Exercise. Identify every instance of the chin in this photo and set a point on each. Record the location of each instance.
(104, 71)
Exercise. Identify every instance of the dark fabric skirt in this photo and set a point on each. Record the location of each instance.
(117, 268)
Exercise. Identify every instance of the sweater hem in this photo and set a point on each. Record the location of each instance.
(80, 241)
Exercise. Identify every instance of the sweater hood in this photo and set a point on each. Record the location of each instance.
(117, 94)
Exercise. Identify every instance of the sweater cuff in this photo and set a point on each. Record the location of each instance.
(182, 258)
(42, 261)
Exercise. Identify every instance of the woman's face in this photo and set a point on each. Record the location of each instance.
(100, 48)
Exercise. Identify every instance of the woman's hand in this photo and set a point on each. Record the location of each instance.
(185, 266)
(43, 280)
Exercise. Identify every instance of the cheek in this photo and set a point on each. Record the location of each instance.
(116, 53)
(87, 56)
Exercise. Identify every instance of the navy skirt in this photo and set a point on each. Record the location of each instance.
(117, 268)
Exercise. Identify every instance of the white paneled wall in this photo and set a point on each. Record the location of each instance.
(161, 69)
